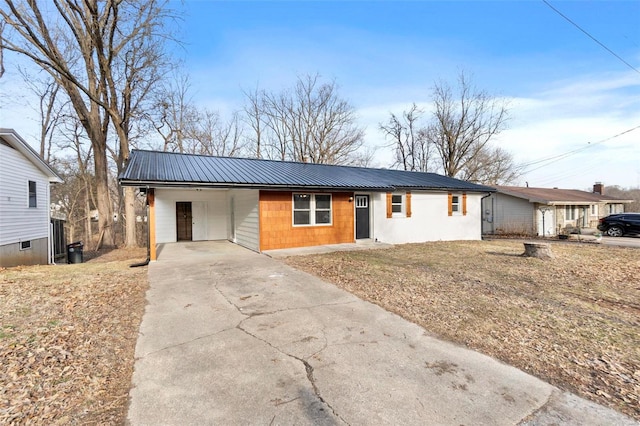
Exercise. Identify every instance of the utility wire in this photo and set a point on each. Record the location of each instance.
(591, 37)
(555, 158)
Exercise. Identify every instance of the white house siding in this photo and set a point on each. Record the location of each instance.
(18, 221)
(504, 214)
(209, 209)
(429, 220)
(245, 229)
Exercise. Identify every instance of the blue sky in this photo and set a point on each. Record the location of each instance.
(565, 91)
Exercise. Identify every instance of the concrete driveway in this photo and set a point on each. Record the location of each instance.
(237, 338)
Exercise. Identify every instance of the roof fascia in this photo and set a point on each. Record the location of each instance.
(25, 149)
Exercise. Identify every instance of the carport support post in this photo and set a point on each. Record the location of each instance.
(151, 223)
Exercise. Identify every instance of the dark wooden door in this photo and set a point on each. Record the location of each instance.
(362, 217)
(184, 220)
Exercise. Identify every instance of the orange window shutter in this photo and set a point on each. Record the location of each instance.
(389, 208)
(464, 204)
(408, 198)
(450, 204)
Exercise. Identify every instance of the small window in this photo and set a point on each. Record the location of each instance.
(33, 202)
(396, 203)
(25, 245)
(311, 209)
(455, 204)
(594, 210)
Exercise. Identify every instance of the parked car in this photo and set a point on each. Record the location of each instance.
(617, 225)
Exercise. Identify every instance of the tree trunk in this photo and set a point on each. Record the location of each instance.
(537, 250)
(130, 217)
(105, 209)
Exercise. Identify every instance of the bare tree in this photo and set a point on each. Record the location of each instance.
(464, 122)
(490, 166)
(173, 113)
(99, 53)
(51, 107)
(308, 123)
(412, 148)
(210, 135)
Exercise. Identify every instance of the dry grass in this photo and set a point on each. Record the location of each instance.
(67, 340)
(573, 320)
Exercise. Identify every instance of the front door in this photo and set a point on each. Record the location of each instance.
(183, 221)
(362, 217)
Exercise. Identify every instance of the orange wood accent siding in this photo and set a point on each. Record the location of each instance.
(276, 223)
(450, 204)
(464, 204)
(408, 199)
(389, 206)
(151, 199)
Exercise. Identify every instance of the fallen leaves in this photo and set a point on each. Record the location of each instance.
(67, 338)
(572, 320)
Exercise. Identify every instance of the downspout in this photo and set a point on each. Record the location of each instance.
(148, 259)
(482, 213)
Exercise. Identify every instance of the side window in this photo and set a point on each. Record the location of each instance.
(396, 203)
(457, 204)
(33, 201)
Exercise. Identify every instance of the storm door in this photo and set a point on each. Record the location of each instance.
(184, 221)
(362, 217)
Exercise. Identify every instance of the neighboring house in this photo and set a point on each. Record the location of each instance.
(25, 231)
(546, 211)
(265, 205)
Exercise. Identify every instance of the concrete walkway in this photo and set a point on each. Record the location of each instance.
(237, 338)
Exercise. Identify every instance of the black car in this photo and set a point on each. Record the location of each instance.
(617, 225)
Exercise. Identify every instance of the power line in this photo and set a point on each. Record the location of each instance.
(591, 37)
(549, 160)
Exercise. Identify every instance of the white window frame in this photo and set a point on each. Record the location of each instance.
(456, 206)
(312, 209)
(594, 210)
(32, 195)
(402, 204)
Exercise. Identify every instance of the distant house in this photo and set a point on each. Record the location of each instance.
(546, 211)
(25, 236)
(265, 205)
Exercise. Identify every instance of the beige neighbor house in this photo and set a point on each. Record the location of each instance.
(25, 221)
(546, 211)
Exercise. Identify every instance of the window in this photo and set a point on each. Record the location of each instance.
(396, 204)
(311, 209)
(32, 194)
(25, 245)
(569, 213)
(594, 210)
(457, 204)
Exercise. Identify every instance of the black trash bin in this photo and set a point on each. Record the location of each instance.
(74, 252)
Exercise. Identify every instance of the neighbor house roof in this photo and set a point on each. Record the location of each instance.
(165, 169)
(12, 139)
(553, 196)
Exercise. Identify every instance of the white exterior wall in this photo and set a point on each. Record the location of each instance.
(245, 229)
(507, 214)
(18, 221)
(209, 210)
(429, 219)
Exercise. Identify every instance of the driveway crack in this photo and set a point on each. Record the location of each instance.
(308, 368)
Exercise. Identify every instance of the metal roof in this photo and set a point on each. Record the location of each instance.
(166, 169)
(557, 196)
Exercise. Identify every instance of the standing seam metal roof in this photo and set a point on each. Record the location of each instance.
(156, 168)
